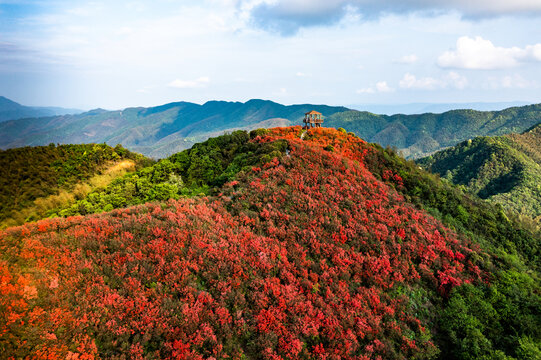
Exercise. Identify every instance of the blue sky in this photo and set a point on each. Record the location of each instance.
(115, 54)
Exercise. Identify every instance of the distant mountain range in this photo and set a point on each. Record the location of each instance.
(420, 108)
(504, 169)
(156, 131)
(421, 135)
(10, 110)
(163, 130)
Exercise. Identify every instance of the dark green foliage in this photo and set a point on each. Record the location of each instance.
(29, 173)
(329, 148)
(196, 171)
(486, 322)
(505, 170)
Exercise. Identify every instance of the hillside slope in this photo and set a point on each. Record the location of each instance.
(10, 110)
(158, 131)
(35, 180)
(505, 170)
(318, 250)
(420, 135)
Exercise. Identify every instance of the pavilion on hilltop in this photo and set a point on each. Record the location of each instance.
(312, 119)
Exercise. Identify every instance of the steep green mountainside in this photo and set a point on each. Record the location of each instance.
(529, 142)
(35, 179)
(10, 110)
(420, 135)
(158, 131)
(313, 248)
(504, 170)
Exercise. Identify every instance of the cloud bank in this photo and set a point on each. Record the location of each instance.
(480, 54)
(287, 16)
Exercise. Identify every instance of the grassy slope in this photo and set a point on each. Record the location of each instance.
(35, 180)
(505, 170)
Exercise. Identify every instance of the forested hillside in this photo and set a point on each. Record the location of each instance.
(196, 171)
(273, 247)
(157, 131)
(35, 180)
(504, 170)
(420, 135)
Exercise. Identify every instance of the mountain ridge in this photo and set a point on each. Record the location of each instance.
(11, 110)
(163, 130)
(142, 129)
(35, 180)
(420, 135)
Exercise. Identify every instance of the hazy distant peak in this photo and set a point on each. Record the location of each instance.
(11, 110)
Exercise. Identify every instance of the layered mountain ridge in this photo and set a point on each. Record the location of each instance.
(159, 131)
(164, 130)
(10, 110)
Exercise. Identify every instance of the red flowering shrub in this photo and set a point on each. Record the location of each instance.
(308, 256)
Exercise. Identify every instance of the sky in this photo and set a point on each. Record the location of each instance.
(116, 54)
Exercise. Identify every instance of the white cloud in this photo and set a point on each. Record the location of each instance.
(190, 84)
(509, 82)
(407, 59)
(410, 81)
(480, 54)
(125, 30)
(451, 79)
(455, 80)
(383, 87)
(380, 87)
(104, 56)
